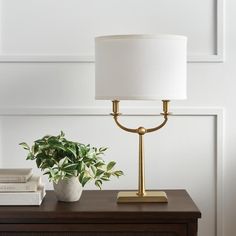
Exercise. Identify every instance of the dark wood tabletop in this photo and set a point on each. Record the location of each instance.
(100, 206)
(98, 214)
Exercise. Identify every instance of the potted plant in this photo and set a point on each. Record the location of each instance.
(70, 165)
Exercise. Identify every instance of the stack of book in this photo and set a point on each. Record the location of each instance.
(20, 187)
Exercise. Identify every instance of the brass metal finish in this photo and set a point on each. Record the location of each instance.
(115, 107)
(141, 181)
(123, 127)
(165, 106)
(150, 196)
(141, 195)
(165, 112)
(115, 114)
(141, 130)
(158, 127)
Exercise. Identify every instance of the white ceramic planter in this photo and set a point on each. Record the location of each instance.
(68, 190)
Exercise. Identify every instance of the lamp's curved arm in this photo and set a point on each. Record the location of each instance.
(123, 127)
(140, 130)
(165, 114)
(137, 130)
(157, 127)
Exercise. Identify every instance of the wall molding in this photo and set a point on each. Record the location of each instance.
(218, 56)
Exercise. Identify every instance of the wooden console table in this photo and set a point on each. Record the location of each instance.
(98, 214)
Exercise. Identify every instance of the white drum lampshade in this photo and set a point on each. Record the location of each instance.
(140, 67)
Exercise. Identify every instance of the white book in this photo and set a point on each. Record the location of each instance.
(30, 186)
(23, 198)
(15, 175)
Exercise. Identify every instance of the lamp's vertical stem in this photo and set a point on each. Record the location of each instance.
(141, 185)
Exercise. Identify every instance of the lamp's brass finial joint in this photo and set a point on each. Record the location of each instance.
(141, 130)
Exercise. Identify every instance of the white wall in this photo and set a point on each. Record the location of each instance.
(181, 155)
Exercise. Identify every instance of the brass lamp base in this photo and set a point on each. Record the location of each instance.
(150, 196)
(142, 195)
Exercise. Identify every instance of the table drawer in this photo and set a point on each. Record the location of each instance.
(93, 229)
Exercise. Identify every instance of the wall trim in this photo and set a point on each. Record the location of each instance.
(69, 58)
(105, 110)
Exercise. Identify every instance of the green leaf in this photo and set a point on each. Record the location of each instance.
(38, 162)
(44, 163)
(102, 149)
(107, 175)
(44, 147)
(63, 161)
(52, 172)
(59, 146)
(83, 151)
(81, 176)
(118, 173)
(53, 141)
(30, 156)
(70, 166)
(99, 164)
(40, 142)
(99, 172)
(46, 173)
(62, 134)
(69, 174)
(81, 166)
(110, 165)
(35, 148)
(98, 183)
(25, 146)
(85, 180)
(94, 169)
(72, 150)
(105, 179)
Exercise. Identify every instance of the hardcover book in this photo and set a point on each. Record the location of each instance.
(23, 198)
(30, 186)
(15, 175)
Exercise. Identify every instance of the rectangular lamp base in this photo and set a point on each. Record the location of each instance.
(150, 196)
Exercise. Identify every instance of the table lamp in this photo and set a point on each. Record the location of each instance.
(140, 67)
